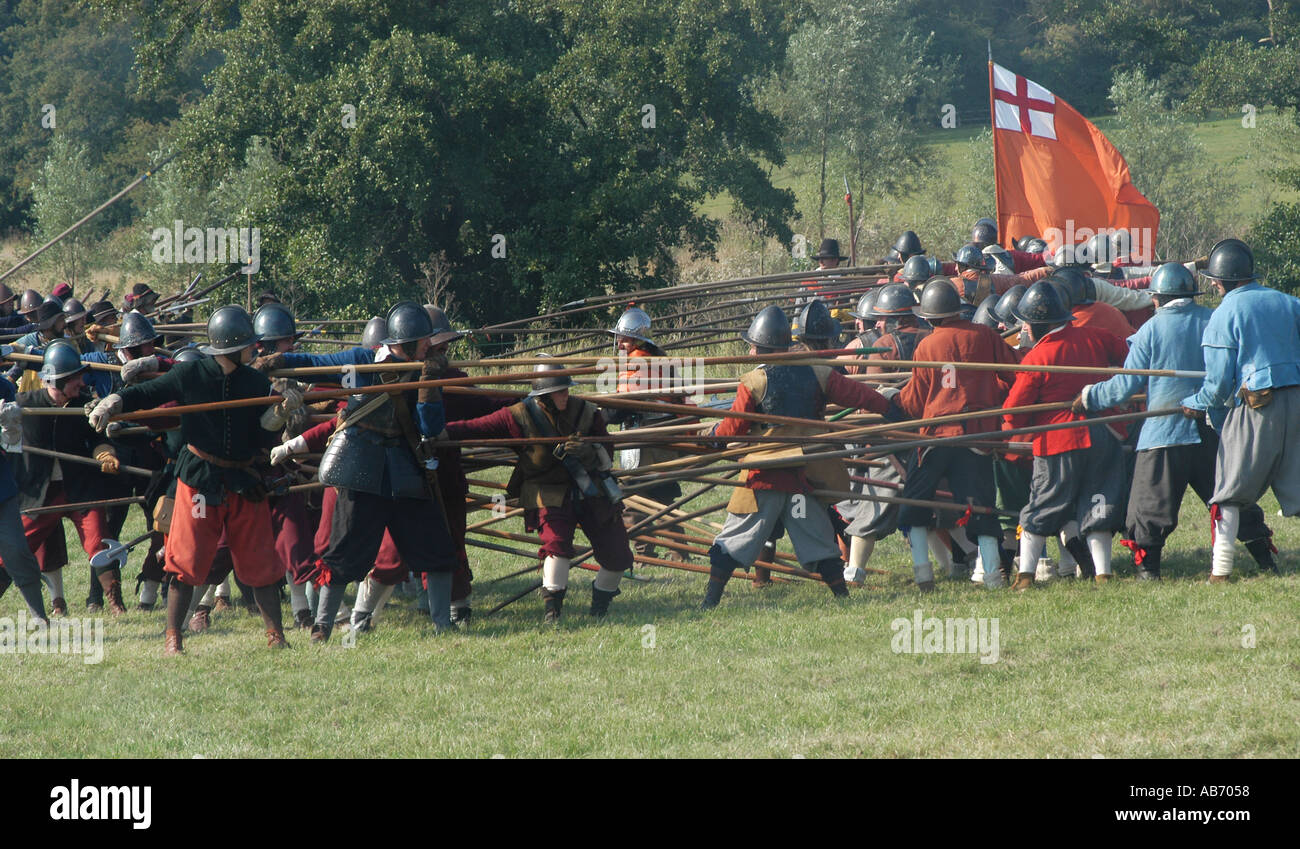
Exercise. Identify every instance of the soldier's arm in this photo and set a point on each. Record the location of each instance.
(1116, 390)
(1220, 379)
(1024, 391)
(498, 425)
(850, 393)
(744, 403)
(152, 393)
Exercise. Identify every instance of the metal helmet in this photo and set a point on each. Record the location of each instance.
(815, 322)
(1067, 255)
(894, 300)
(1077, 281)
(865, 303)
(1035, 245)
(1003, 311)
(6, 294)
(230, 329)
(61, 359)
(373, 335)
(1022, 244)
(986, 220)
(74, 310)
(543, 385)
(49, 312)
(136, 330)
(1062, 291)
(972, 256)
(1173, 278)
(908, 245)
(984, 315)
(1231, 261)
(916, 270)
(939, 299)
(1099, 250)
(985, 232)
(407, 321)
(634, 324)
(188, 354)
(273, 321)
(442, 329)
(1042, 304)
(769, 329)
(30, 301)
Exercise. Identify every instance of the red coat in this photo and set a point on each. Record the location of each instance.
(1073, 346)
(932, 392)
(1102, 317)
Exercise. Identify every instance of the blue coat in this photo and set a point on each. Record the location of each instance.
(1253, 339)
(348, 357)
(1170, 340)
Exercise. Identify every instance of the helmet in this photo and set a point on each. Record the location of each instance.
(273, 321)
(1007, 303)
(984, 315)
(908, 245)
(49, 311)
(1035, 245)
(1078, 283)
(1099, 250)
(230, 329)
(442, 331)
(188, 354)
(546, 385)
(814, 321)
(634, 324)
(73, 310)
(986, 220)
(916, 270)
(373, 335)
(894, 300)
(136, 330)
(1042, 304)
(769, 329)
(972, 257)
(1022, 244)
(407, 321)
(61, 359)
(6, 294)
(1173, 278)
(939, 299)
(985, 232)
(865, 303)
(30, 300)
(1070, 255)
(1231, 261)
(1062, 291)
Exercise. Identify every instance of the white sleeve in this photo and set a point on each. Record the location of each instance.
(1120, 298)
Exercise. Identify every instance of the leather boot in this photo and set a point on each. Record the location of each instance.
(201, 619)
(554, 603)
(763, 575)
(1024, 581)
(1262, 550)
(58, 607)
(832, 572)
(1079, 551)
(275, 638)
(720, 568)
(112, 586)
(173, 644)
(1149, 569)
(600, 600)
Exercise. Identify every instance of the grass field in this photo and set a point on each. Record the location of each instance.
(1123, 670)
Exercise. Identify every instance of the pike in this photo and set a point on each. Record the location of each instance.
(204, 291)
(185, 293)
(84, 505)
(35, 358)
(950, 506)
(85, 461)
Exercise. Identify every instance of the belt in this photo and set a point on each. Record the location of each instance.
(220, 461)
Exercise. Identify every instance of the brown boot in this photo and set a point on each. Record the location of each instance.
(1101, 579)
(1218, 579)
(275, 638)
(223, 603)
(762, 577)
(173, 645)
(201, 619)
(112, 593)
(1024, 581)
(925, 586)
(58, 607)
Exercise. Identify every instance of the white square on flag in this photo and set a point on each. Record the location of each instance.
(1042, 124)
(1008, 116)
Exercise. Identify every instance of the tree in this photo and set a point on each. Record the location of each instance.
(68, 187)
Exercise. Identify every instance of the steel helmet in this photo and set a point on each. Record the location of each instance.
(273, 321)
(30, 302)
(972, 256)
(865, 303)
(939, 299)
(373, 335)
(917, 269)
(984, 315)
(985, 232)
(634, 324)
(230, 329)
(188, 354)
(894, 300)
(407, 321)
(136, 330)
(908, 245)
(1042, 304)
(769, 329)
(61, 359)
(1035, 245)
(1231, 261)
(814, 322)
(442, 329)
(1077, 282)
(6, 294)
(1173, 278)
(543, 385)
(1007, 304)
(73, 310)
(1067, 255)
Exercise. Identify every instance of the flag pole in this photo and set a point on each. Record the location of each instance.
(993, 124)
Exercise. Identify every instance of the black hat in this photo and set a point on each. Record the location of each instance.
(830, 249)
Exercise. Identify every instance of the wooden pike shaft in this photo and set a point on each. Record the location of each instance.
(34, 358)
(85, 461)
(84, 505)
(950, 506)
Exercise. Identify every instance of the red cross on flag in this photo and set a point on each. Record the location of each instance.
(1057, 176)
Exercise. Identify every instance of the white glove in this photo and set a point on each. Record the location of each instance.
(283, 452)
(104, 410)
(142, 368)
(290, 400)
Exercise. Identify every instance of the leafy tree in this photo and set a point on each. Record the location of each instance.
(68, 186)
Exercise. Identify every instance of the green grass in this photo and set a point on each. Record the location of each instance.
(1123, 670)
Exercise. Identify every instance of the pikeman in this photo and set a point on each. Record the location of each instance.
(47, 481)
(867, 327)
(1078, 482)
(1173, 452)
(895, 306)
(635, 346)
(561, 487)
(1087, 310)
(216, 489)
(1252, 368)
(378, 459)
(779, 495)
(927, 394)
(74, 316)
(49, 321)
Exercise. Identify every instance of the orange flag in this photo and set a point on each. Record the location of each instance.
(1057, 175)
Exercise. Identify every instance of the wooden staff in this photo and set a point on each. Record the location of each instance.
(85, 461)
(36, 358)
(84, 505)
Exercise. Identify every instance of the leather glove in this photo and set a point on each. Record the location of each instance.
(104, 410)
(141, 368)
(108, 462)
(1078, 407)
(583, 452)
(1201, 262)
(895, 413)
(283, 452)
(434, 366)
(270, 362)
(1194, 415)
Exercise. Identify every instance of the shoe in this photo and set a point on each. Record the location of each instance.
(145, 606)
(925, 586)
(762, 577)
(275, 639)
(202, 619)
(1218, 579)
(600, 600)
(173, 645)
(319, 634)
(460, 616)
(58, 607)
(94, 607)
(1024, 580)
(1101, 579)
(363, 623)
(854, 574)
(554, 601)
(302, 619)
(222, 604)
(994, 580)
(113, 595)
(1147, 575)
(344, 617)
